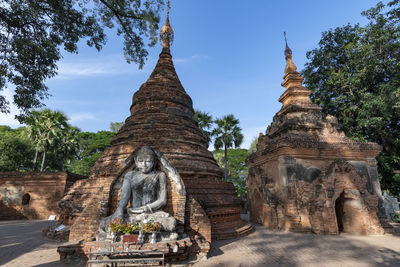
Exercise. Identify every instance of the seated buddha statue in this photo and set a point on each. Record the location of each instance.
(146, 187)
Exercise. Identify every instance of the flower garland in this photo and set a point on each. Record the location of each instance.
(150, 226)
(118, 226)
(127, 228)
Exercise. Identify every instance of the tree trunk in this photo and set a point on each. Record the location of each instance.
(226, 163)
(35, 159)
(43, 160)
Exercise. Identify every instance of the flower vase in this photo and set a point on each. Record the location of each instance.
(113, 236)
(140, 237)
(153, 238)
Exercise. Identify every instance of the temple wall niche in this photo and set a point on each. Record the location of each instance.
(33, 195)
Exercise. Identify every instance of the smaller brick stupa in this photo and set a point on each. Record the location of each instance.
(307, 176)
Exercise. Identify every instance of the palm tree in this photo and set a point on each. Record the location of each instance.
(33, 132)
(46, 128)
(227, 133)
(205, 122)
(70, 144)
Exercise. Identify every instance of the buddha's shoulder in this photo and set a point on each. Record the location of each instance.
(160, 174)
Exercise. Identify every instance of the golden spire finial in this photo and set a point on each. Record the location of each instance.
(167, 33)
(288, 51)
(168, 7)
(290, 66)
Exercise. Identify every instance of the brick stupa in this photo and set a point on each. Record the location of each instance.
(307, 176)
(162, 117)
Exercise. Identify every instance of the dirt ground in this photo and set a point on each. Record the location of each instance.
(22, 244)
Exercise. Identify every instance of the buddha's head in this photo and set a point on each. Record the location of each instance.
(145, 159)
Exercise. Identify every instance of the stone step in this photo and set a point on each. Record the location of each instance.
(233, 233)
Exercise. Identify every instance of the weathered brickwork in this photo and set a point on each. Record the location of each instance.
(33, 195)
(162, 117)
(307, 176)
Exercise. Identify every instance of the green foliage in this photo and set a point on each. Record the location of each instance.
(16, 152)
(387, 164)
(82, 166)
(65, 148)
(253, 145)
(355, 75)
(205, 123)
(395, 217)
(115, 126)
(237, 168)
(33, 32)
(91, 143)
(91, 146)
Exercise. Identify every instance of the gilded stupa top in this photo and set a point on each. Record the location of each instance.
(166, 32)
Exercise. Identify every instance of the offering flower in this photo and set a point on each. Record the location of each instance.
(151, 226)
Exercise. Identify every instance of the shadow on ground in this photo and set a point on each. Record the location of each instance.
(261, 248)
(271, 248)
(60, 264)
(20, 237)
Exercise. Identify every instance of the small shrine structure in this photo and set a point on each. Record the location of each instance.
(307, 176)
(162, 117)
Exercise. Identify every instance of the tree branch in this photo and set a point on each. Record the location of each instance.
(13, 23)
(118, 12)
(118, 16)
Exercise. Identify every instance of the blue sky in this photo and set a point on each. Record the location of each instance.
(228, 55)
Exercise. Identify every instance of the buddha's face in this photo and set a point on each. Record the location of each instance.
(145, 163)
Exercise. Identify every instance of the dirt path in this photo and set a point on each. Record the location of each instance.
(273, 248)
(22, 244)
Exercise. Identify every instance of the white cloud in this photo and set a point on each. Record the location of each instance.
(9, 118)
(77, 117)
(82, 69)
(250, 134)
(191, 58)
(109, 65)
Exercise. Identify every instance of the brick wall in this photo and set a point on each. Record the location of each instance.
(32, 195)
